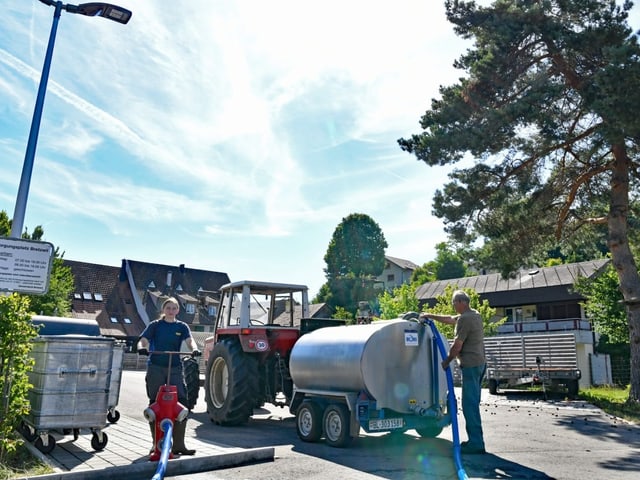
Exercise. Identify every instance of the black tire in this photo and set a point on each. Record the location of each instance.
(98, 445)
(430, 431)
(113, 417)
(309, 421)
(29, 434)
(48, 448)
(230, 384)
(191, 373)
(335, 425)
(493, 386)
(572, 388)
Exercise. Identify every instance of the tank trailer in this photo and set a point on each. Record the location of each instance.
(336, 379)
(381, 377)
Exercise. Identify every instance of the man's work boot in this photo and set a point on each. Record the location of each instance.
(179, 430)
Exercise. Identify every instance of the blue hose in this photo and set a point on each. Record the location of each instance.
(453, 405)
(167, 442)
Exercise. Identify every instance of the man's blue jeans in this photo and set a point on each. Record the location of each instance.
(471, 388)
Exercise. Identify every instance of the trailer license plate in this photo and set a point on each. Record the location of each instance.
(385, 423)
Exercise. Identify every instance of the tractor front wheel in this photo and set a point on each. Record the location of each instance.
(230, 384)
(191, 374)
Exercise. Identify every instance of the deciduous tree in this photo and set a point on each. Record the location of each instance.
(354, 258)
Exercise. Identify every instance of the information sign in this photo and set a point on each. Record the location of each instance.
(25, 265)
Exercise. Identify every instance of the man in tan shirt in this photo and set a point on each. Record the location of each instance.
(468, 348)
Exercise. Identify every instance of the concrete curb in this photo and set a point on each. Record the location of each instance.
(178, 466)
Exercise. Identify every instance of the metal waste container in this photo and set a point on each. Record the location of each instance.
(71, 380)
(116, 380)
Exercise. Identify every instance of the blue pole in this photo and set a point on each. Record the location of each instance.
(27, 167)
(167, 442)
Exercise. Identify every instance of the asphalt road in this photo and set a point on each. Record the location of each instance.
(526, 437)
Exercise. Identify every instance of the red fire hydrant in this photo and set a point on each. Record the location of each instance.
(166, 406)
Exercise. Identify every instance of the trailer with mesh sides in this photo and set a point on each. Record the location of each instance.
(549, 360)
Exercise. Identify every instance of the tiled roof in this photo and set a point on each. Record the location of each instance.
(402, 263)
(155, 282)
(103, 293)
(100, 294)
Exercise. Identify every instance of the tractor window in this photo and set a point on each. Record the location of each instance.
(229, 310)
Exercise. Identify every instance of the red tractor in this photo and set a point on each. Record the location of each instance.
(247, 358)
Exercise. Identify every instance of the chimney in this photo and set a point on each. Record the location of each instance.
(182, 268)
(123, 270)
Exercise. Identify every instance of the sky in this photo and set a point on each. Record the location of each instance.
(231, 136)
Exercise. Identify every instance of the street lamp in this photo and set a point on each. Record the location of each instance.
(94, 9)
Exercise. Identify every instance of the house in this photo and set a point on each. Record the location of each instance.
(397, 272)
(123, 300)
(534, 301)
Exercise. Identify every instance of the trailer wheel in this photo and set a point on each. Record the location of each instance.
(335, 425)
(48, 448)
(572, 388)
(191, 374)
(493, 386)
(309, 421)
(230, 384)
(430, 431)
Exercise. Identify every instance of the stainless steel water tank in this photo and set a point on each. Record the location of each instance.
(391, 360)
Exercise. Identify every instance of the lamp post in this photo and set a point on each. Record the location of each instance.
(94, 9)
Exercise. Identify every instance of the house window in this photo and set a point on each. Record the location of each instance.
(558, 311)
(513, 315)
(178, 288)
(126, 320)
(190, 308)
(97, 297)
(114, 320)
(212, 310)
(77, 296)
(391, 277)
(87, 295)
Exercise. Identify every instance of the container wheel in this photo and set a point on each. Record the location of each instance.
(309, 421)
(429, 431)
(27, 432)
(493, 386)
(98, 444)
(231, 383)
(335, 424)
(114, 416)
(48, 448)
(191, 374)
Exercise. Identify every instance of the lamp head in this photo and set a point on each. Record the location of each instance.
(106, 10)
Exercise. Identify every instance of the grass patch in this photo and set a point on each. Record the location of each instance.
(22, 464)
(613, 401)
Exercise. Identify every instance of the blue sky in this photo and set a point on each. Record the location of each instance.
(230, 135)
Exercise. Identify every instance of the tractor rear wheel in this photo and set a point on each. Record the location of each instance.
(230, 383)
